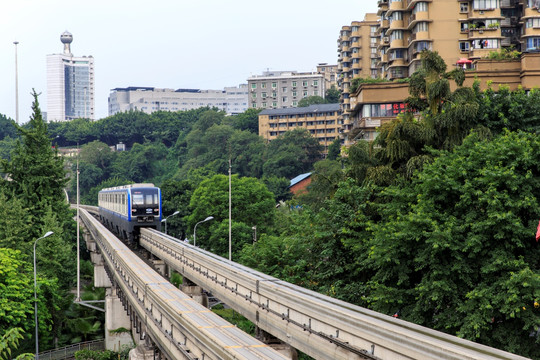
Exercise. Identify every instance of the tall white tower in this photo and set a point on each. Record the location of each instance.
(70, 84)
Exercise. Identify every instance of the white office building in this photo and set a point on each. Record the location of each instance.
(70, 84)
(232, 100)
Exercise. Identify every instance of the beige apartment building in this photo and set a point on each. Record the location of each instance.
(463, 32)
(320, 120)
(357, 55)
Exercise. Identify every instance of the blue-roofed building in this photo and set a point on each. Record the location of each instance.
(300, 183)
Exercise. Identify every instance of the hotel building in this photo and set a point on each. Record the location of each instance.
(70, 84)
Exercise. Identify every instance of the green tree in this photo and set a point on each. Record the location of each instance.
(176, 196)
(457, 251)
(291, 154)
(311, 100)
(332, 95)
(252, 205)
(334, 150)
(326, 176)
(247, 121)
(7, 127)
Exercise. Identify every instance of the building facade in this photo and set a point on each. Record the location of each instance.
(357, 57)
(330, 74)
(320, 120)
(284, 89)
(462, 32)
(232, 100)
(468, 29)
(70, 84)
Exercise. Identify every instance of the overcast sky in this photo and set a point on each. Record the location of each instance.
(204, 44)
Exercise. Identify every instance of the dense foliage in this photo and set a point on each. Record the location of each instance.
(434, 221)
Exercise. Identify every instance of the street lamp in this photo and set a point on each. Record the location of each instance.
(49, 233)
(254, 228)
(165, 220)
(195, 229)
(16, 85)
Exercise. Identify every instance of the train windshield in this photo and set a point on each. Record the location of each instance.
(146, 197)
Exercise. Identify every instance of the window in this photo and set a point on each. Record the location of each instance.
(294, 83)
(486, 44)
(463, 7)
(464, 27)
(315, 82)
(485, 4)
(274, 104)
(304, 83)
(532, 23)
(253, 105)
(533, 43)
(305, 93)
(263, 95)
(396, 35)
(263, 86)
(422, 45)
(294, 93)
(284, 89)
(253, 86)
(421, 26)
(284, 99)
(421, 6)
(274, 94)
(464, 46)
(274, 85)
(295, 103)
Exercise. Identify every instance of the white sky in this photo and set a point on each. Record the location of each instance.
(204, 44)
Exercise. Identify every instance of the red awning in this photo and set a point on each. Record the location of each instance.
(463, 61)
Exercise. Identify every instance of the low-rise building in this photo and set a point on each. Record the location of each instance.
(232, 100)
(320, 120)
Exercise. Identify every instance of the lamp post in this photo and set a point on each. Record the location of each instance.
(165, 220)
(48, 233)
(16, 85)
(195, 229)
(254, 228)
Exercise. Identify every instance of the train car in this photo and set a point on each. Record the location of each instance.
(125, 209)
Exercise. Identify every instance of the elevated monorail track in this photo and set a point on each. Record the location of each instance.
(179, 327)
(318, 325)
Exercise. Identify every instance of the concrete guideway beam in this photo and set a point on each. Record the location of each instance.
(320, 326)
(178, 326)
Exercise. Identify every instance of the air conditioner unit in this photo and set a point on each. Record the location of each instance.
(481, 12)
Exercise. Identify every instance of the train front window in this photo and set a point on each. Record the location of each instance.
(138, 199)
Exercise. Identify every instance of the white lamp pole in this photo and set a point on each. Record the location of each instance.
(195, 229)
(49, 233)
(16, 85)
(165, 220)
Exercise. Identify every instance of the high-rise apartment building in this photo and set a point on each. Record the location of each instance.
(330, 74)
(284, 89)
(232, 100)
(357, 56)
(463, 32)
(70, 84)
(455, 29)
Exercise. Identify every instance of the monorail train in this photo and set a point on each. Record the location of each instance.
(125, 209)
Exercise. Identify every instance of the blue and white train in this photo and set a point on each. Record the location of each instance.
(125, 209)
